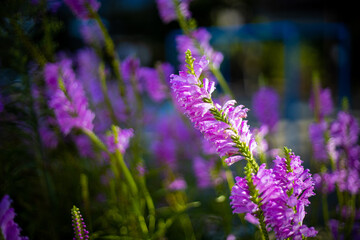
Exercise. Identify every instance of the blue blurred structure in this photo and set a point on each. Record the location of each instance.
(291, 34)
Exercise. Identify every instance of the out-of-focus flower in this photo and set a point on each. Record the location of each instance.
(67, 97)
(118, 139)
(202, 170)
(9, 228)
(81, 7)
(265, 104)
(317, 138)
(222, 125)
(167, 9)
(281, 193)
(79, 225)
(325, 103)
(184, 42)
(88, 74)
(177, 184)
(155, 81)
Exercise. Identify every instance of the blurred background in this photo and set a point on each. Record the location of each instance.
(279, 43)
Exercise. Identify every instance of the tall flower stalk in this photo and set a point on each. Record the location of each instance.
(79, 226)
(196, 39)
(271, 198)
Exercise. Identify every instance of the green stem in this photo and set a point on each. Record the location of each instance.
(94, 138)
(104, 90)
(150, 205)
(115, 62)
(128, 176)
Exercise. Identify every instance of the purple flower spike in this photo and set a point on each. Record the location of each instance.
(266, 107)
(184, 42)
(317, 137)
(297, 185)
(119, 139)
(67, 97)
(167, 9)
(10, 230)
(80, 7)
(268, 192)
(78, 224)
(222, 125)
(325, 103)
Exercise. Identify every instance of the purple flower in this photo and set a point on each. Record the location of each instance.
(325, 182)
(48, 135)
(67, 97)
(184, 42)
(81, 7)
(177, 184)
(243, 201)
(202, 170)
(281, 193)
(79, 225)
(88, 74)
(84, 145)
(344, 132)
(325, 103)
(265, 104)
(170, 132)
(167, 9)
(317, 138)
(10, 230)
(345, 129)
(297, 185)
(155, 81)
(119, 139)
(222, 125)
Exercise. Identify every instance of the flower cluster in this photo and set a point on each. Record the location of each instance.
(266, 107)
(222, 125)
(342, 149)
(325, 103)
(118, 139)
(167, 9)
(78, 224)
(281, 193)
(81, 8)
(9, 228)
(67, 97)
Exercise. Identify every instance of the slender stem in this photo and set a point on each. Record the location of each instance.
(115, 62)
(128, 176)
(150, 205)
(104, 90)
(94, 138)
